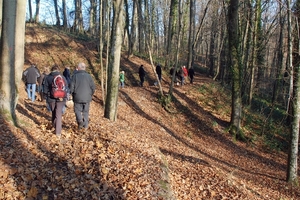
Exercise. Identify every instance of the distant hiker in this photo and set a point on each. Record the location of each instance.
(185, 72)
(158, 71)
(31, 74)
(122, 79)
(82, 89)
(142, 74)
(181, 75)
(56, 105)
(41, 83)
(67, 75)
(191, 74)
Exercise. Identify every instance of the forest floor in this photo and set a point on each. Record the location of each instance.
(148, 153)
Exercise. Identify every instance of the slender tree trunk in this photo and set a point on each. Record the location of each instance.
(12, 55)
(191, 33)
(129, 51)
(30, 11)
(65, 17)
(37, 11)
(134, 33)
(92, 18)
(177, 49)
(110, 111)
(234, 62)
(278, 61)
(101, 36)
(1, 12)
(56, 13)
(292, 171)
(171, 29)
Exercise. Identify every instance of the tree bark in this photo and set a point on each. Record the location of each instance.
(65, 17)
(234, 62)
(37, 11)
(12, 55)
(110, 111)
(292, 171)
(56, 13)
(30, 11)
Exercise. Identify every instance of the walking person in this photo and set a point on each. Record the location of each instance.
(41, 83)
(31, 75)
(142, 74)
(122, 79)
(185, 73)
(158, 72)
(55, 83)
(67, 75)
(82, 89)
(191, 74)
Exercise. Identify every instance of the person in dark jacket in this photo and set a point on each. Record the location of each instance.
(142, 74)
(82, 89)
(158, 72)
(56, 105)
(67, 75)
(31, 74)
(41, 83)
(191, 74)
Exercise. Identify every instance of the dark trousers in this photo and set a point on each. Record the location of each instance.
(82, 114)
(57, 111)
(191, 78)
(142, 80)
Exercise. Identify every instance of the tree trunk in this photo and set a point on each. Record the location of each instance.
(127, 28)
(65, 17)
(12, 55)
(191, 33)
(278, 61)
(37, 11)
(1, 12)
(171, 29)
(177, 50)
(101, 36)
(234, 62)
(30, 11)
(110, 111)
(56, 13)
(92, 18)
(292, 171)
(134, 33)
(141, 27)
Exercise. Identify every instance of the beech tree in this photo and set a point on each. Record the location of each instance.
(111, 102)
(12, 55)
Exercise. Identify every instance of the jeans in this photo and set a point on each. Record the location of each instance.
(31, 87)
(122, 84)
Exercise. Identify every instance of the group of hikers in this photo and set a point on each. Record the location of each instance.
(57, 88)
(180, 75)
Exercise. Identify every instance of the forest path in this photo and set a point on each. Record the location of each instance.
(147, 153)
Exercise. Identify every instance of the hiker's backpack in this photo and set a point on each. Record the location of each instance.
(59, 89)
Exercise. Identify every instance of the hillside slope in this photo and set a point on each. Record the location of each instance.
(147, 153)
